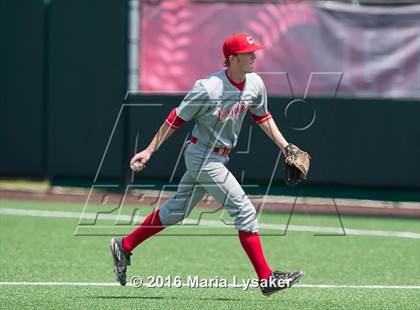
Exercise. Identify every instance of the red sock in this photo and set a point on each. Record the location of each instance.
(252, 245)
(150, 227)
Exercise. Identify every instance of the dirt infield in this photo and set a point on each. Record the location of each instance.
(285, 204)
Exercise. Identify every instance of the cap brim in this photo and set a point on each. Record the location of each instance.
(252, 48)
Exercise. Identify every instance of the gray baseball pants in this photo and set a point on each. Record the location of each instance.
(207, 173)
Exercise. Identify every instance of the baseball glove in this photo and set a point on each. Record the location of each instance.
(296, 165)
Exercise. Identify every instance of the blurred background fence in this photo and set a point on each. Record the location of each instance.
(65, 73)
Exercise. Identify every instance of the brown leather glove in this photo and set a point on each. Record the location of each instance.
(296, 165)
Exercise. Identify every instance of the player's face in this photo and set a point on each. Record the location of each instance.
(246, 62)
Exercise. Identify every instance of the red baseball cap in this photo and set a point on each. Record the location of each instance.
(240, 43)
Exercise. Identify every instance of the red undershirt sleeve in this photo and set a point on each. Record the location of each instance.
(261, 119)
(173, 120)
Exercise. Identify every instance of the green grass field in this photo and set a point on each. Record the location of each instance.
(44, 251)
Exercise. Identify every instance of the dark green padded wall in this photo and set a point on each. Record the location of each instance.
(22, 84)
(87, 85)
(353, 142)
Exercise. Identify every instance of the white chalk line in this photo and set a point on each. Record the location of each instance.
(115, 284)
(189, 223)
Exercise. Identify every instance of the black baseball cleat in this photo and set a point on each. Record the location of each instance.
(279, 280)
(121, 259)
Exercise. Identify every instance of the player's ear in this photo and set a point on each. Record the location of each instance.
(232, 59)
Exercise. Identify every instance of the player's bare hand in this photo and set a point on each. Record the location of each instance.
(290, 148)
(138, 162)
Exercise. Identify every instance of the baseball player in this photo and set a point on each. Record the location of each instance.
(217, 104)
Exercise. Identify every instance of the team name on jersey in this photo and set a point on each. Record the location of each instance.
(233, 112)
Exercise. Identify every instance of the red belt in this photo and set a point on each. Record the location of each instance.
(218, 150)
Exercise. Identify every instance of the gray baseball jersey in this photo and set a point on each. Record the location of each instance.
(218, 108)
